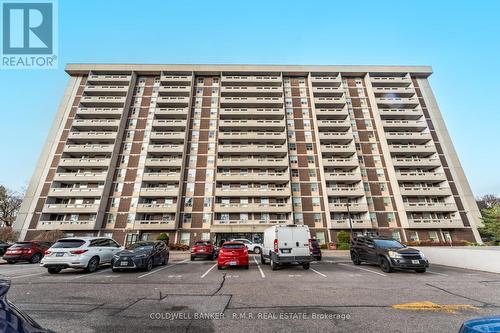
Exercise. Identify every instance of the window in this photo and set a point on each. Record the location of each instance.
(309, 146)
(295, 172)
(312, 173)
(433, 236)
(188, 202)
(205, 236)
(207, 217)
(207, 202)
(315, 201)
(293, 159)
(187, 218)
(295, 187)
(396, 235)
(296, 201)
(317, 217)
(298, 218)
(413, 236)
(292, 146)
(314, 187)
(185, 237)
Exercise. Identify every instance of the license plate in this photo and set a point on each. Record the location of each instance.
(124, 263)
(285, 250)
(415, 262)
(59, 254)
(233, 263)
(202, 250)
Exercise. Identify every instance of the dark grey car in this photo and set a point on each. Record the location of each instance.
(141, 255)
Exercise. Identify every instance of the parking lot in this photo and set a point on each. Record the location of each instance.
(184, 296)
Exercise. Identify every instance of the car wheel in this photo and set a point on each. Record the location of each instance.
(385, 266)
(306, 266)
(149, 265)
(164, 261)
(262, 259)
(53, 270)
(355, 258)
(256, 250)
(92, 265)
(420, 270)
(319, 258)
(246, 266)
(11, 262)
(192, 258)
(274, 266)
(219, 267)
(36, 258)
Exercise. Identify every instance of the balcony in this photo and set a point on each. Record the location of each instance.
(430, 207)
(251, 91)
(340, 162)
(328, 91)
(252, 162)
(99, 112)
(408, 136)
(252, 192)
(415, 125)
(343, 176)
(84, 162)
(390, 81)
(425, 191)
(413, 114)
(329, 102)
(161, 176)
(331, 113)
(178, 124)
(251, 101)
(175, 101)
(171, 113)
(348, 149)
(261, 113)
(416, 162)
(169, 79)
(90, 124)
(345, 191)
(268, 124)
(244, 225)
(102, 101)
(255, 177)
(420, 176)
(391, 102)
(174, 90)
(338, 125)
(168, 136)
(263, 80)
(154, 225)
(70, 208)
(80, 176)
(115, 90)
(85, 136)
(435, 223)
(88, 148)
(253, 207)
(322, 81)
(163, 162)
(394, 91)
(109, 79)
(356, 224)
(413, 149)
(75, 192)
(159, 192)
(156, 208)
(353, 208)
(66, 225)
(228, 149)
(339, 137)
(152, 148)
(277, 137)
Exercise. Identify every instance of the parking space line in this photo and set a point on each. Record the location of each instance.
(315, 271)
(84, 275)
(208, 271)
(363, 269)
(27, 275)
(260, 269)
(442, 274)
(160, 269)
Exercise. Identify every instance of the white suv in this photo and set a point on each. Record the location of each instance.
(87, 253)
(251, 246)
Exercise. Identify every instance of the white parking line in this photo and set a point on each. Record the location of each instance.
(84, 275)
(363, 269)
(315, 271)
(20, 276)
(442, 274)
(160, 269)
(260, 269)
(208, 271)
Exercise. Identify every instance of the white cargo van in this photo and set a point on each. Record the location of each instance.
(286, 244)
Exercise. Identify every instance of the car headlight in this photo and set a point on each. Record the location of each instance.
(422, 255)
(395, 255)
(115, 256)
(141, 256)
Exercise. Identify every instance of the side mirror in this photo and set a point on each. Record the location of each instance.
(371, 246)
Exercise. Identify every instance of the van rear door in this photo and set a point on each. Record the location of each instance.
(300, 241)
(285, 240)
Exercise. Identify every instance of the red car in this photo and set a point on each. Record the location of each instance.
(26, 251)
(232, 254)
(203, 249)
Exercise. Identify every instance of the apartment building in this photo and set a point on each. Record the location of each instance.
(223, 151)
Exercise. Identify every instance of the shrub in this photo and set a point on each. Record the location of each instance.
(7, 234)
(163, 237)
(323, 246)
(179, 247)
(50, 236)
(343, 246)
(343, 237)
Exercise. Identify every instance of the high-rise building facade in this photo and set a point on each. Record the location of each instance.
(224, 151)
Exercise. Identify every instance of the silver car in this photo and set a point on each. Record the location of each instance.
(86, 253)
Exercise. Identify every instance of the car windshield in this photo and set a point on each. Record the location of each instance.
(140, 246)
(68, 243)
(201, 243)
(23, 245)
(233, 246)
(388, 244)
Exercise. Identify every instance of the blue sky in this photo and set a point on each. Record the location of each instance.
(459, 40)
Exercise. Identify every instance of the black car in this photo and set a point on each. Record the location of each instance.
(141, 255)
(3, 247)
(315, 248)
(13, 319)
(388, 254)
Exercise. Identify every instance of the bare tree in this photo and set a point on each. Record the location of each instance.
(487, 201)
(10, 202)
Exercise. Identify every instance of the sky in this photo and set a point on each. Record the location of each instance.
(460, 40)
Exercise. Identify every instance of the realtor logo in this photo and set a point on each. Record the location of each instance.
(29, 35)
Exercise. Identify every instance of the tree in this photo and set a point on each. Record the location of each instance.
(487, 201)
(163, 237)
(50, 236)
(7, 234)
(491, 220)
(343, 237)
(10, 202)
